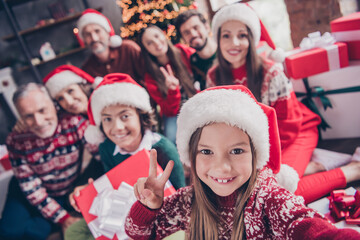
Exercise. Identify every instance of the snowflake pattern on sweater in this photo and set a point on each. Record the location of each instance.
(272, 212)
(47, 168)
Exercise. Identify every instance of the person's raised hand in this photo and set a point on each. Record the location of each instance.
(76, 192)
(171, 81)
(150, 190)
(20, 127)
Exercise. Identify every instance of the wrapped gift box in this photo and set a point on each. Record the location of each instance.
(322, 206)
(347, 29)
(316, 60)
(344, 116)
(127, 172)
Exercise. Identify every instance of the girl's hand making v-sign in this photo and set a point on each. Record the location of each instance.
(171, 81)
(150, 190)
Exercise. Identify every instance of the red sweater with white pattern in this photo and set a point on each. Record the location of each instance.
(48, 167)
(277, 92)
(271, 212)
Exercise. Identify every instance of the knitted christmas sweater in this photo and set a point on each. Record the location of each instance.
(166, 151)
(170, 105)
(48, 167)
(277, 92)
(271, 213)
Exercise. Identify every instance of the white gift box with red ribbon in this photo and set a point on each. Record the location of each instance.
(106, 202)
(341, 88)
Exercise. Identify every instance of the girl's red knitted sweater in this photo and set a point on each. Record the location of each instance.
(271, 213)
(277, 92)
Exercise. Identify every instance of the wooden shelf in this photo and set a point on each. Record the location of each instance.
(38, 28)
(61, 55)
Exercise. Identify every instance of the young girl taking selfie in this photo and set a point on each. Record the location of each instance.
(232, 144)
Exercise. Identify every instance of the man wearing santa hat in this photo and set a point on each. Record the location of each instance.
(110, 54)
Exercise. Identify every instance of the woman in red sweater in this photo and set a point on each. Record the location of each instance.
(168, 76)
(238, 29)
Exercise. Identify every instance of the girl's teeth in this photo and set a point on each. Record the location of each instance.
(223, 180)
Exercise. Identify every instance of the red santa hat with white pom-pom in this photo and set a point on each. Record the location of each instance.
(66, 75)
(235, 105)
(244, 13)
(116, 88)
(92, 16)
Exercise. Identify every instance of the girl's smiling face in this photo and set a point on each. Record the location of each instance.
(224, 158)
(121, 124)
(234, 42)
(155, 42)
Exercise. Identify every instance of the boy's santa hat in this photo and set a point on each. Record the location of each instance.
(66, 75)
(116, 88)
(236, 106)
(244, 13)
(92, 16)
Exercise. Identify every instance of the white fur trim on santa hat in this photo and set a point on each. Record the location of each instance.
(227, 106)
(238, 12)
(92, 18)
(61, 80)
(288, 178)
(118, 93)
(93, 135)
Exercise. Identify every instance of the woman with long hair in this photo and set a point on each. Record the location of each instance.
(168, 76)
(238, 30)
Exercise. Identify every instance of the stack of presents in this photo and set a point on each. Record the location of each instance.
(325, 72)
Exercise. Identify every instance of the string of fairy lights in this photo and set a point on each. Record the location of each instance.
(149, 12)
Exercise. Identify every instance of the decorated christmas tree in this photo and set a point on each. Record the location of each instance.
(138, 14)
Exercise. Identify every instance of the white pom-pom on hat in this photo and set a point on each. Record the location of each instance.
(92, 16)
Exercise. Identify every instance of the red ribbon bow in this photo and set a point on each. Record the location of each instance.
(344, 206)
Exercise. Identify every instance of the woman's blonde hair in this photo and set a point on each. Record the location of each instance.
(205, 216)
(177, 65)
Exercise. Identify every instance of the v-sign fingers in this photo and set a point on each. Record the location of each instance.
(164, 72)
(169, 70)
(153, 164)
(167, 172)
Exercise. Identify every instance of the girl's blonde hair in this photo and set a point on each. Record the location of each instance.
(205, 216)
(176, 62)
